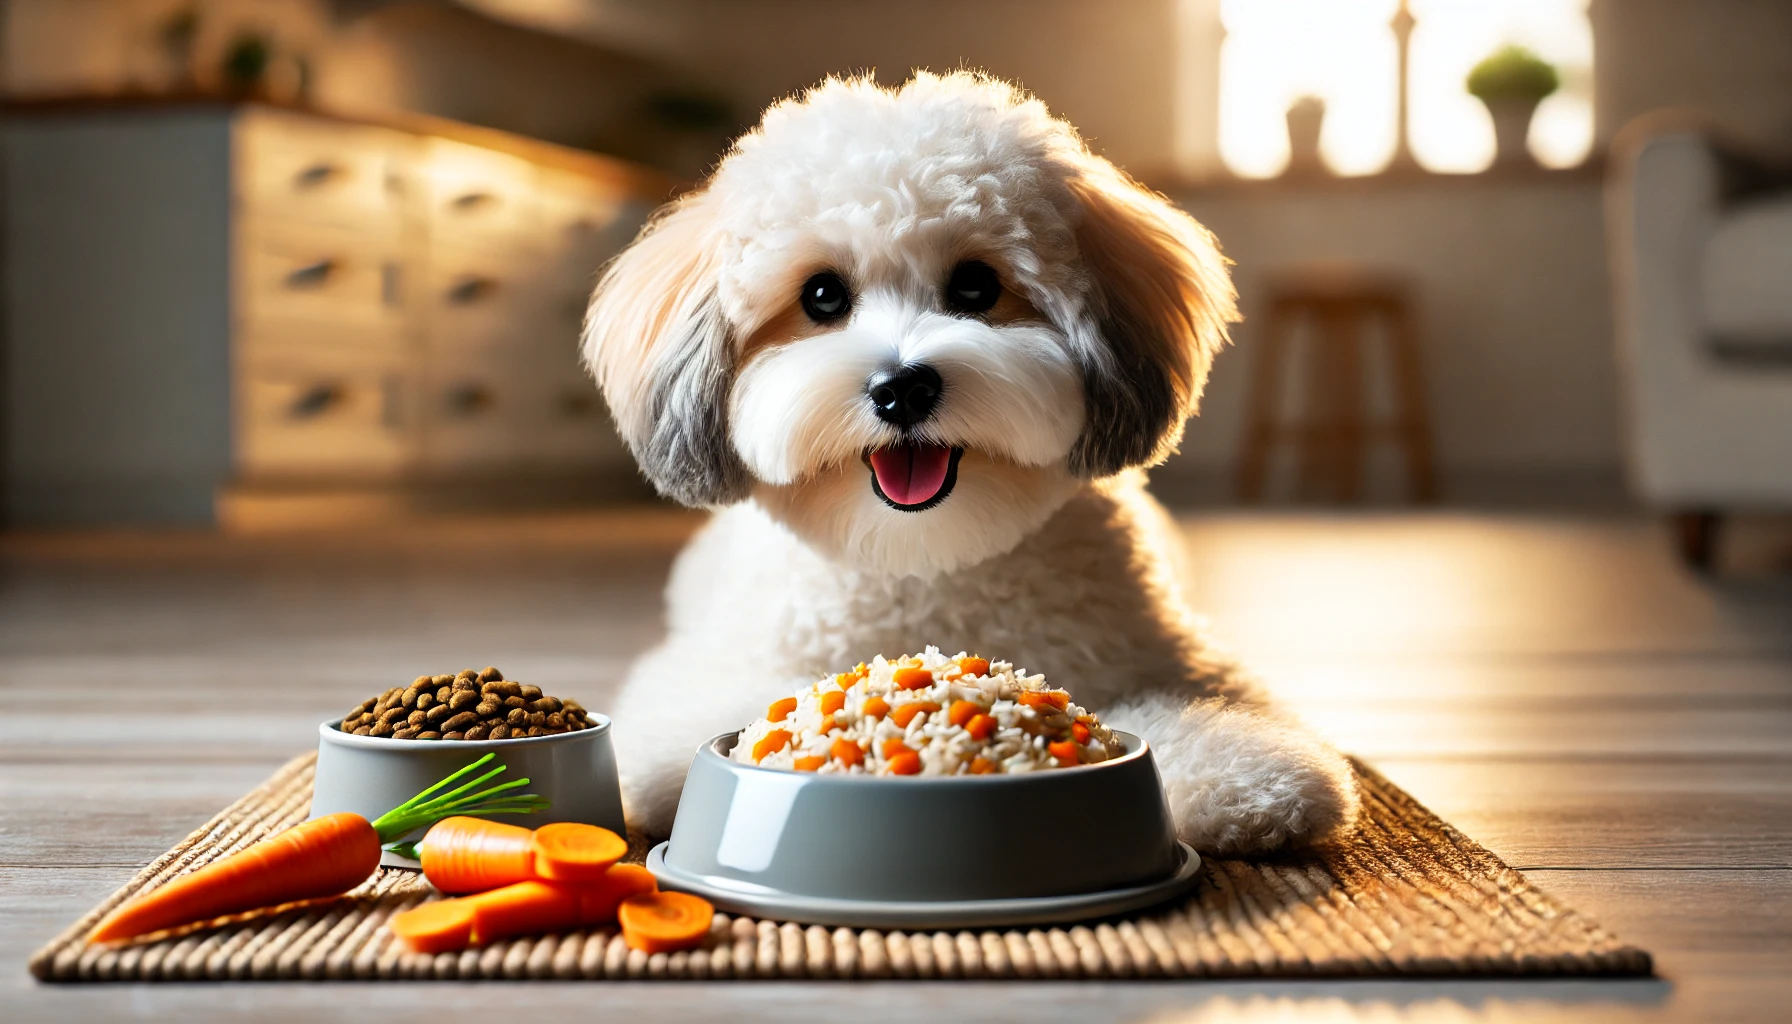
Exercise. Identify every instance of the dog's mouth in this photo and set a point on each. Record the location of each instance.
(913, 477)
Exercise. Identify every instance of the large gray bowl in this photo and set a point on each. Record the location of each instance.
(913, 851)
(370, 775)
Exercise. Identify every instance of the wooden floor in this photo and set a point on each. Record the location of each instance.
(1554, 686)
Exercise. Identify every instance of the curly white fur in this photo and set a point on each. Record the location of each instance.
(1040, 554)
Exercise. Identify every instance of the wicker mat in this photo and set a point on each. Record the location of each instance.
(1405, 895)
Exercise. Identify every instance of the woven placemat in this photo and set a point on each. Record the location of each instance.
(1405, 894)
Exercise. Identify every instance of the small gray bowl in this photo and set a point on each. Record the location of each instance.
(922, 851)
(370, 775)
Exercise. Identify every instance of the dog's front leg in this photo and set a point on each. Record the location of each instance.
(1238, 781)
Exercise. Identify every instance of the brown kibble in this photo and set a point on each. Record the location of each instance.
(537, 719)
(392, 715)
(463, 699)
(416, 719)
(503, 688)
(454, 735)
(425, 701)
(409, 697)
(404, 734)
(459, 722)
(518, 717)
(422, 683)
(490, 674)
(556, 721)
(367, 705)
(464, 683)
(467, 673)
(442, 680)
(500, 732)
(429, 734)
(439, 713)
(516, 702)
(478, 732)
(535, 730)
(382, 729)
(544, 704)
(363, 730)
(529, 692)
(488, 707)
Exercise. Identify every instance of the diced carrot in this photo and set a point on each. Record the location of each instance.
(439, 926)
(832, 701)
(525, 908)
(963, 711)
(982, 766)
(570, 851)
(905, 713)
(1079, 732)
(1052, 698)
(665, 922)
(911, 678)
(809, 764)
(906, 763)
(1066, 751)
(780, 709)
(598, 902)
(980, 726)
(876, 707)
(846, 752)
(827, 725)
(974, 666)
(771, 743)
(894, 746)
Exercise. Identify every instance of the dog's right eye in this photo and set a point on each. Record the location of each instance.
(825, 297)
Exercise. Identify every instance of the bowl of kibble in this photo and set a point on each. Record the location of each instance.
(395, 744)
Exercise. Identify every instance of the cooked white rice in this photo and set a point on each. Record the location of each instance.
(960, 720)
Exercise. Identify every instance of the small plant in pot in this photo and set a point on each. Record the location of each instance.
(1511, 81)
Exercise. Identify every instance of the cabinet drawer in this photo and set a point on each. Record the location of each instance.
(477, 197)
(316, 287)
(571, 427)
(583, 223)
(320, 420)
(480, 300)
(312, 171)
(475, 415)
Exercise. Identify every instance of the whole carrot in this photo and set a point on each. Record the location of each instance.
(324, 857)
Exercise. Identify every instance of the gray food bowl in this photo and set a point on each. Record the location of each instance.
(370, 775)
(925, 851)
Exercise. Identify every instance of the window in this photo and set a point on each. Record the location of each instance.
(1347, 53)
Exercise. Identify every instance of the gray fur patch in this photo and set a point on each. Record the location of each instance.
(1133, 417)
(687, 453)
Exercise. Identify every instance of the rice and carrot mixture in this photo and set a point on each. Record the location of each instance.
(927, 714)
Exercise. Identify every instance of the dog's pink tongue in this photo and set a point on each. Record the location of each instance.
(910, 474)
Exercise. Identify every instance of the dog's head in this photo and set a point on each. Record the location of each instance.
(908, 322)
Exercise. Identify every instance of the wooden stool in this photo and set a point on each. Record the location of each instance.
(1331, 437)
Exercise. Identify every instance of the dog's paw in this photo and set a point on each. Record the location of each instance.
(1239, 782)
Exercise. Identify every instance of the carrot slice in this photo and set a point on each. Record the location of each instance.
(827, 725)
(974, 666)
(982, 766)
(809, 764)
(439, 926)
(911, 678)
(905, 713)
(876, 707)
(664, 922)
(980, 726)
(598, 902)
(1066, 751)
(780, 709)
(1079, 732)
(846, 752)
(463, 854)
(326, 856)
(893, 746)
(569, 851)
(963, 711)
(906, 763)
(771, 743)
(832, 701)
(1049, 698)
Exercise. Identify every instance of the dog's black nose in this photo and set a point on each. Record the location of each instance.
(906, 395)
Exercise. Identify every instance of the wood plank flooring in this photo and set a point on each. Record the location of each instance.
(1557, 687)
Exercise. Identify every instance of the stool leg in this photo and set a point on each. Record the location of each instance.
(1413, 423)
(1265, 399)
(1347, 411)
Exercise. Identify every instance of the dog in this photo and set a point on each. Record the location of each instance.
(915, 346)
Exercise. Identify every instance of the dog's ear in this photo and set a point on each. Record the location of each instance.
(1159, 305)
(657, 341)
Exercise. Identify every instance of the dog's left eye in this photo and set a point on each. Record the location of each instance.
(825, 297)
(973, 288)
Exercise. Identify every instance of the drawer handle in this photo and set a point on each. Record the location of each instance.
(471, 288)
(317, 400)
(312, 274)
(319, 174)
(470, 399)
(468, 202)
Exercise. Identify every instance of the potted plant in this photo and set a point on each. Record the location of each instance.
(1511, 81)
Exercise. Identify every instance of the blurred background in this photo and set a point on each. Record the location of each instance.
(277, 261)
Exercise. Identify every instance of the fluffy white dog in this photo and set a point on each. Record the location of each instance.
(915, 345)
